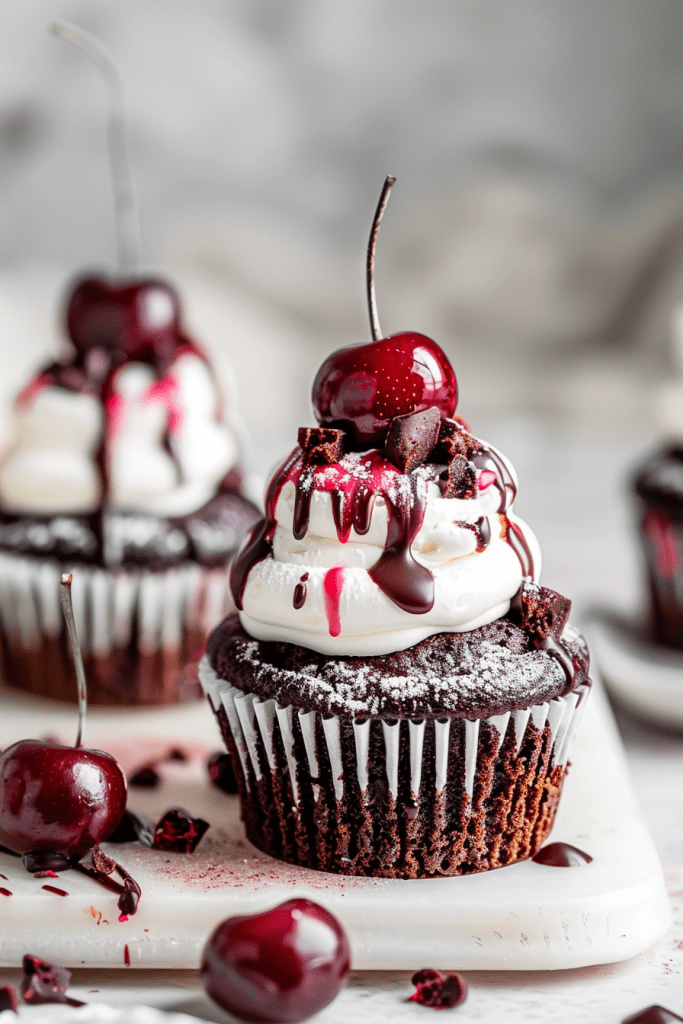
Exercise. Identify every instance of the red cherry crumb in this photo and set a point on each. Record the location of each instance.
(178, 832)
(278, 967)
(221, 772)
(432, 989)
(45, 983)
(8, 999)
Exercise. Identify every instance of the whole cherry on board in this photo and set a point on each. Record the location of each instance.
(58, 802)
(277, 967)
(362, 388)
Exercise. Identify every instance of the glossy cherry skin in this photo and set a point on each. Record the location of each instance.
(58, 799)
(278, 967)
(140, 318)
(360, 389)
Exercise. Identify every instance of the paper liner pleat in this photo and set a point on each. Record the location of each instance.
(527, 745)
(110, 607)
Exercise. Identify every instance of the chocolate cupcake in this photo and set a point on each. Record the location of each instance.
(124, 470)
(397, 693)
(658, 486)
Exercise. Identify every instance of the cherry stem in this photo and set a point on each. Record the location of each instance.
(68, 609)
(125, 207)
(370, 260)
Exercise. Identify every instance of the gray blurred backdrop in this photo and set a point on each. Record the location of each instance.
(536, 229)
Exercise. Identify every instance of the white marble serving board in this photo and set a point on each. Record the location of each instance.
(523, 917)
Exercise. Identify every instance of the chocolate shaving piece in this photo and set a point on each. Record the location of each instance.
(132, 829)
(102, 862)
(455, 440)
(130, 897)
(411, 438)
(146, 777)
(45, 983)
(432, 989)
(459, 480)
(653, 1015)
(221, 772)
(44, 861)
(178, 832)
(542, 612)
(321, 445)
(8, 999)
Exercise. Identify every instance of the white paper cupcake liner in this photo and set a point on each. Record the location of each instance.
(254, 724)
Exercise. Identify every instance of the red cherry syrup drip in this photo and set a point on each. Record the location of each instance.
(300, 592)
(333, 582)
(55, 890)
(561, 855)
(126, 955)
(5, 892)
(482, 532)
(657, 526)
(354, 487)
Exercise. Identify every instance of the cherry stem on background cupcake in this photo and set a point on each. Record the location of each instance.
(68, 609)
(125, 207)
(370, 261)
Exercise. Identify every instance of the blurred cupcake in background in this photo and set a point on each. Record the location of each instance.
(124, 469)
(658, 485)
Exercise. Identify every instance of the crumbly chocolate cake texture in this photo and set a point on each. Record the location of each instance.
(487, 671)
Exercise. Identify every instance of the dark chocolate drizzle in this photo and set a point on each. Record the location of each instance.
(653, 1015)
(354, 488)
(561, 855)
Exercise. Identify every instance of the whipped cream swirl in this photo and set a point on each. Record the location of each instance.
(358, 558)
(157, 443)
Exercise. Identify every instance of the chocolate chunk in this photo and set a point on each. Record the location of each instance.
(45, 983)
(455, 440)
(221, 772)
(432, 989)
(411, 438)
(8, 999)
(132, 828)
(146, 777)
(653, 1015)
(321, 445)
(459, 480)
(561, 855)
(102, 862)
(178, 832)
(540, 611)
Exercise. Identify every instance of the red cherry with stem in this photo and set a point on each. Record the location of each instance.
(278, 967)
(140, 318)
(361, 388)
(56, 799)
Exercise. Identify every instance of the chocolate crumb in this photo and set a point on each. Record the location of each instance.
(132, 829)
(221, 772)
(146, 777)
(321, 445)
(459, 479)
(455, 440)
(432, 989)
(411, 438)
(178, 832)
(540, 611)
(8, 999)
(102, 862)
(45, 983)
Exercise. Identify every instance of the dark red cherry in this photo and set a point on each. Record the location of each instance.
(61, 800)
(280, 966)
(362, 388)
(139, 317)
